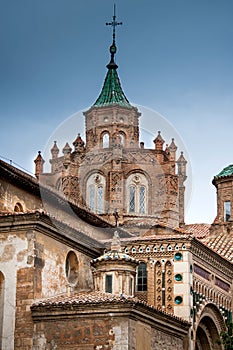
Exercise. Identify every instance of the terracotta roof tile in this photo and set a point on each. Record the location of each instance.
(96, 297)
(222, 244)
(198, 230)
(80, 298)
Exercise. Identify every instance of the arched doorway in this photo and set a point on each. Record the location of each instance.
(208, 331)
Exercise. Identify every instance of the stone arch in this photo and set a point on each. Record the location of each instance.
(210, 325)
(2, 290)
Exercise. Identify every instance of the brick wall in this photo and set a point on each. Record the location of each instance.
(78, 334)
(24, 298)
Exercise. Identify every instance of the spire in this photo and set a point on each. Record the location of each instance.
(181, 163)
(79, 144)
(112, 92)
(55, 150)
(39, 162)
(67, 149)
(159, 141)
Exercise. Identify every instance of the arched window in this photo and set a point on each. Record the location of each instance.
(137, 189)
(95, 193)
(122, 138)
(142, 277)
(105, 140)
(18, 208)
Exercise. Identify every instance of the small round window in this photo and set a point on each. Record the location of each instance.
(72, 267)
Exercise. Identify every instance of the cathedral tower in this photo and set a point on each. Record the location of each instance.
(111, 172)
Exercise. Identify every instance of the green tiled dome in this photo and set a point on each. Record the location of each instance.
(228, 171)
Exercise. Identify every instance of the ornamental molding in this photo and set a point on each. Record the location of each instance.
(207, 257)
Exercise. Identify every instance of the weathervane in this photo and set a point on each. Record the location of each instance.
(113, 49)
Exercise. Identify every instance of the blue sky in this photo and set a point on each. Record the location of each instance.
(174, 56)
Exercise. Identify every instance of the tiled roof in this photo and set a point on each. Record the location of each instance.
(112, 93)
(221, 244)
(98, 298)
(227, 171)
(81, 298)
(198, 230)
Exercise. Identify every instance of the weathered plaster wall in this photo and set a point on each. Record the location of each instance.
(51, 259)
(34, 266)
(13, 256)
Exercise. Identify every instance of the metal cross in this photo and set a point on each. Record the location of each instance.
(114, 23)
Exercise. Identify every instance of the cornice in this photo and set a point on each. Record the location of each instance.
(51, 227)
(29, 183)
(118, 307)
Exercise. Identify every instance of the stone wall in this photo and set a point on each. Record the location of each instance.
(115, 327)
(74, 334)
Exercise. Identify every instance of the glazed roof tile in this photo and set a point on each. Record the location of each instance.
(227, 171)
(112, 93)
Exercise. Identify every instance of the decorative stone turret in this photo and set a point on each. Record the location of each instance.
(159, 141)
(54, 150)
(67, 149)
(79, 144)
(172, 149)
(39, 164)
(114, 272)
(181, 164)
